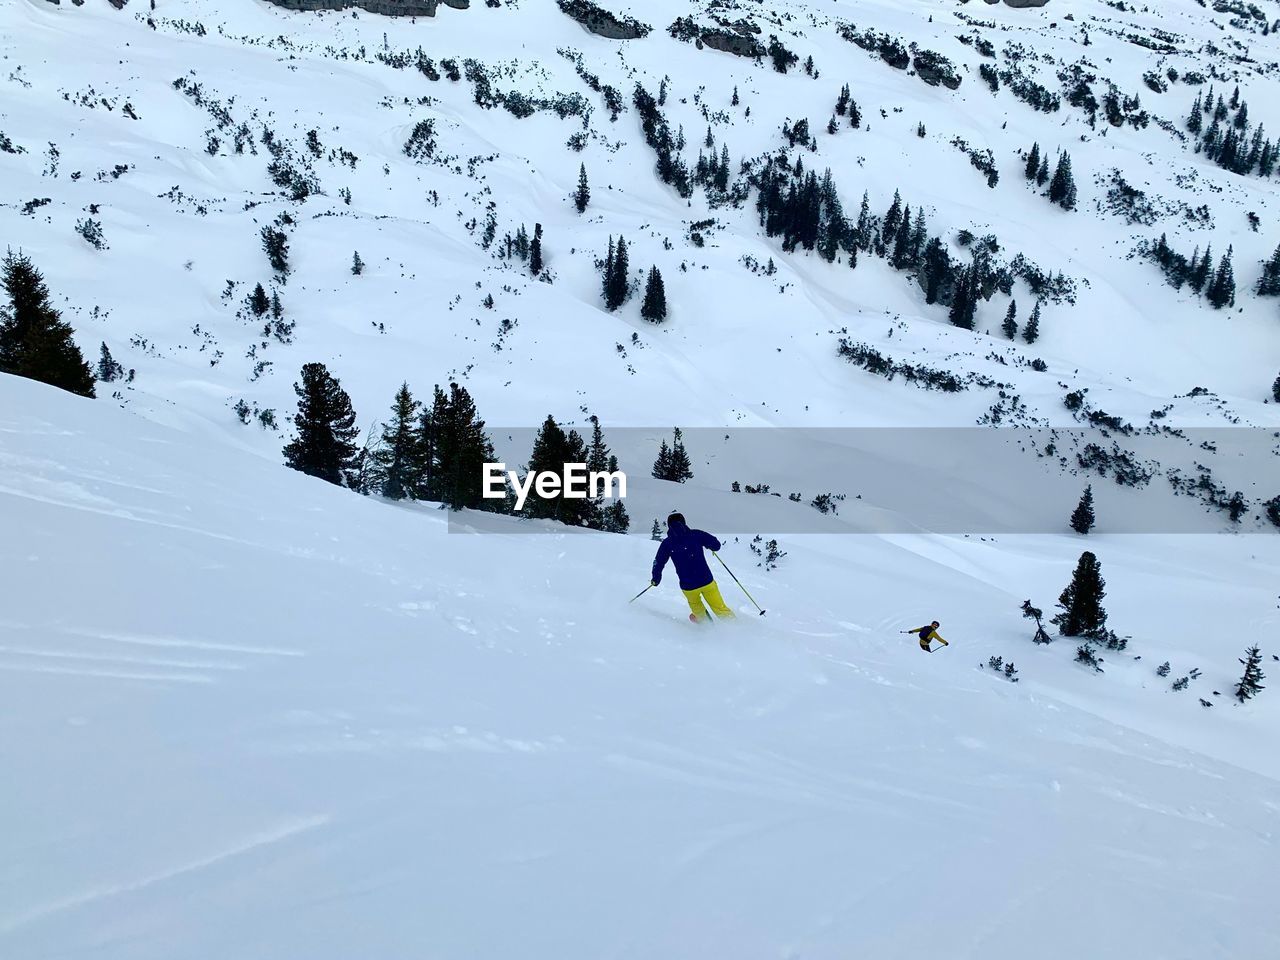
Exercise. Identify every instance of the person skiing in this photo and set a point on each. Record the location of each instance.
(684, 546)
(927, 634)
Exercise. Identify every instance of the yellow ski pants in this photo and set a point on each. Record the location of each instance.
(710, 593)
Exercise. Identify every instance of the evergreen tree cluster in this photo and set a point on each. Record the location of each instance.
(35, 342)
(553, 448)
(847, 106)
(1062, 184)
(1218, 286)
(657, 134)
(436, 451)
(1225, 135)
(615, 277)
(1269, 282)
(713, 171)
(673, 462)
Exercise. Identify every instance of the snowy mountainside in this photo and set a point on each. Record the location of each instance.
(259, 735)
(252, 715)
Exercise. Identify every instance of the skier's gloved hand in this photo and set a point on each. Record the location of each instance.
(653, 583)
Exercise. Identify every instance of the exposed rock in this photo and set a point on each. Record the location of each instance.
(933, 68)
(1019, 4)
(603, 23)
(390, 8)
(737, 40)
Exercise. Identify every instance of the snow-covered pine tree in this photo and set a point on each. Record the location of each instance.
(455, 448)
(108, 370)
(618, 280)
(681, 468)
(1010, 326)
(1251, 680)
(1081, 602)
(655, 532)
(35, 342)
(582, 196)
(1222, 291)
(1082, 518)
(259, 303)
(654, 307)
(325, 423)
(357, 265)
(1062, 190)
(397, 464)
(1031, 332)
(1032, 166)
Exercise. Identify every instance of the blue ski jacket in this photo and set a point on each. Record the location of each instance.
(685, 546)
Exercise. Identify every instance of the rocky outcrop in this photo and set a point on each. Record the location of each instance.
(603, 23)
(1019, 4)
(934, 69)
(738, 40)
(389, 8)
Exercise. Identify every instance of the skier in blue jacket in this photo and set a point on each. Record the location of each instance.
(684, 546)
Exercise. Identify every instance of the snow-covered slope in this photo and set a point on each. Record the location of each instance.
(244, 714)
(247, 714)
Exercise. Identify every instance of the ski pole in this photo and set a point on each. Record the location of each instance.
(738, 582)
(641, 593)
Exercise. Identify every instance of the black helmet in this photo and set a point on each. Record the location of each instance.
(675, 518)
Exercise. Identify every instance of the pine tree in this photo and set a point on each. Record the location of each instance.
(1033, 163)
(892, 219)
(1031, 332)
(606, 277)
(535, 251)
(1275, 390)
(454, 450)
(617, 279)
(662, 465)
(357, 265)
(258, 301)
(1062, 190)
(553, 448)
(1082, 518)
(614, 518)
(582, 196)
(681, 469)
(35, 342)
(862, 233)
(398, 467)
(1081, 602)
(1222, 291)
(962, 307)
(936, 269)
(1195, 122)
(720, 179)
(855, 115)
(1042, 175)
(654, 308)
(1251, 681)
(902, 242)
(325, 423)
(1010, 325)
(655, 532)
(107, 370)
(1199, 275)
(1269, 282)
(276, 245)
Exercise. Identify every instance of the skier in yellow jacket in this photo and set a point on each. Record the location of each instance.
(926, 634)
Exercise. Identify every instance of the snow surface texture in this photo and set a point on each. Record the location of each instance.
(244, 714)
